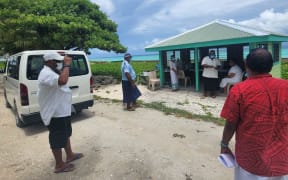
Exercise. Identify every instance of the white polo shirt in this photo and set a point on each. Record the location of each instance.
(54, 100)
(210, 72)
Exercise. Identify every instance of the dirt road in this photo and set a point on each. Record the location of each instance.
(117, 145)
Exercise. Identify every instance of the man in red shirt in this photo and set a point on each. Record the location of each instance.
(257, 110)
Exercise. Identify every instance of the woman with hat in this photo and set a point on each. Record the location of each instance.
(130, 91)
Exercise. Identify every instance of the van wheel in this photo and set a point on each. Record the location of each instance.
(19, 123)
(78, 111)
(7, 105)
(6, 101)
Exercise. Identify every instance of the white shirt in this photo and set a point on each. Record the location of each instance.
(238, 73)
(54, 100)
(210, 72)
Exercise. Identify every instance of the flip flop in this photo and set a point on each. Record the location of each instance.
(136, 106)
(76, 156)
(66, 168)
(130, 109)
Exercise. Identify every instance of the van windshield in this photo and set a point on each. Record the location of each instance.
(35, 64)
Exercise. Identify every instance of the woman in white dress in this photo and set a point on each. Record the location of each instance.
(173, 74)
(235, 74)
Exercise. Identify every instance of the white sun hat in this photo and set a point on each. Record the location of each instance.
(53, 56)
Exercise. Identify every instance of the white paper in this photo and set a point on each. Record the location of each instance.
(227, 160)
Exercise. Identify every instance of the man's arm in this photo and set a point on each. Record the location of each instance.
(230, 75)
(228, 132)
(204, 63)
(129, 78)
(64, 75)
(208, 66)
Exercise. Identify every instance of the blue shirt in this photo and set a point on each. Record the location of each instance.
(127, 68)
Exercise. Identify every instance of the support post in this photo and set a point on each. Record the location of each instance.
(162, 72)
(196, 55)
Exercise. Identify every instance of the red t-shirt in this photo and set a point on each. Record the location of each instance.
(260, 103)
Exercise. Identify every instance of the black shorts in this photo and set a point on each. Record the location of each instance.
(59, 131)
(211, 84)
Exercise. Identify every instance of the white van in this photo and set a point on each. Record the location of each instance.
(21, 85)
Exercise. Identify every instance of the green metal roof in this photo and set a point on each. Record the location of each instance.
(216, 33)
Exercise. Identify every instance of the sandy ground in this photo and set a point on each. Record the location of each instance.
(118, 145)
(186, 99)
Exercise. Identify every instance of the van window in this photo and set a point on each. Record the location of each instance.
(13, 67)
(78, 66)
(35, 64)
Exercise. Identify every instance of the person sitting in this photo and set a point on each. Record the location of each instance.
(235, 74)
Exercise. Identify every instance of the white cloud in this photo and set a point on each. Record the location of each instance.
(155, 40)
(146, 22)
(150, 3)
(105, 5)
(184, 12)
(270, 20)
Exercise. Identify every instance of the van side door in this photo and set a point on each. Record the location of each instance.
(11, 79)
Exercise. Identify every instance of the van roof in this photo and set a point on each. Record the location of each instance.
(46, 51)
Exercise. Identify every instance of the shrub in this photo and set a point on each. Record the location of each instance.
(2, 65)
(284, 69)
(114, 68)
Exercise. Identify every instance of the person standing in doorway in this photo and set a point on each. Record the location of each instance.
(173, 73)
(210, 74)
(257, 111)
(130, 90)
(55, 98)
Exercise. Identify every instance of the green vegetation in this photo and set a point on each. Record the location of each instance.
(183, 113)
(276, 70)
(114, 68)
(284, 69)
(183, 103)
(54, 24)
(205, 108)
(2, 65)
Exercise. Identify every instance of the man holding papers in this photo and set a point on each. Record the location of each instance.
(256, 110)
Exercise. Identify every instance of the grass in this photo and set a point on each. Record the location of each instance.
(183, 103)
(160, 106)
(205, 108)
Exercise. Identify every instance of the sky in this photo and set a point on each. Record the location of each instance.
(145, 22)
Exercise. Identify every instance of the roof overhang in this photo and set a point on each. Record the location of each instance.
(217, 33)
(224, 42)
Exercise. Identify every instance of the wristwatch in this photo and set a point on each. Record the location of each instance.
(223, 145)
